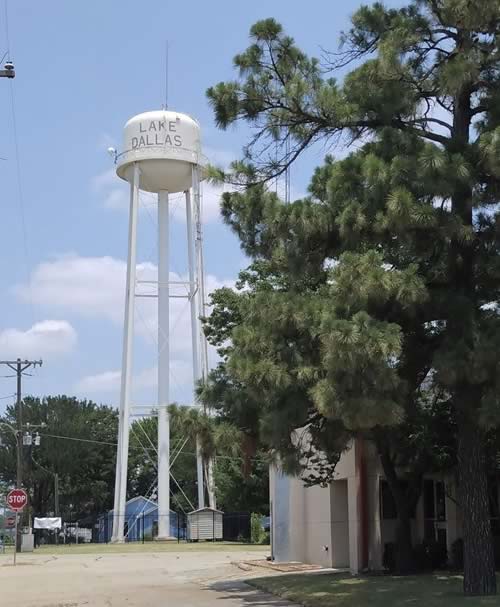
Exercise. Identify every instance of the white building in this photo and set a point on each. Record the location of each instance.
(348, 523)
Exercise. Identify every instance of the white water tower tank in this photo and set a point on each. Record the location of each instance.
(166, 145)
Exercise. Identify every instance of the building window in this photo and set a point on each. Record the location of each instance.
(440, 501)
(429, 502)
(434, 510)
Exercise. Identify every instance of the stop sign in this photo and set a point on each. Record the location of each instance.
(17, 499)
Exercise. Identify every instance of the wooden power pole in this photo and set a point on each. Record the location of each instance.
(19, 367)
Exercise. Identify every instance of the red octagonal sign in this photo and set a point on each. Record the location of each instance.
(17, 499)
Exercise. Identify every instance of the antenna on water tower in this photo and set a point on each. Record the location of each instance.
(166, 74)
(161, 154)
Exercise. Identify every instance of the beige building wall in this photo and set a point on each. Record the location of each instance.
(323, 523)
(341, 525)
(339, 505)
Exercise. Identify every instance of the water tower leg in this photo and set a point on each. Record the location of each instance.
(163, 369)
(194, 335)
(210, 484)
(127, 361)
(200, 270)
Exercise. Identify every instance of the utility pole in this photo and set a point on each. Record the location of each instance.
(56, 502)
(19, 367)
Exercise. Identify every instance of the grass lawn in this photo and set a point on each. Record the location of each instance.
(340, 590)
(137, 547)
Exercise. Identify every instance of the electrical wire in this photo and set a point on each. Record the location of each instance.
(19, 180)
(21, 198)
(80, 440)
(97, 442)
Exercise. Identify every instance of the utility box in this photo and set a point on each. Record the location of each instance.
(204, 524)
(27, 542)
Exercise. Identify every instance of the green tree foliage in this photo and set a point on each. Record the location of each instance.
(274, 413)
(85, 464)
(78, 443)
(237, 488)
(393, 260)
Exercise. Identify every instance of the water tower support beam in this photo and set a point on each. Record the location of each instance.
(200, 268)
(194, 333)
(206, 470)
(127, 363)
(163, 368)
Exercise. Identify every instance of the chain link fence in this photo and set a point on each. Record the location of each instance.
(142, 527)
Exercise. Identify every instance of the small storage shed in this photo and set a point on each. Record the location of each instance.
(204, 524)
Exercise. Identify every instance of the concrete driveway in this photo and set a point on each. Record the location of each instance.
(184, 579)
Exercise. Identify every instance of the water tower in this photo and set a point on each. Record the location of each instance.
(161, 154)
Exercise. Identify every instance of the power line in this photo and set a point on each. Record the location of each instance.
(98, 442)
(9, 395)
(21, 197)
(146, 449)
(81, 440)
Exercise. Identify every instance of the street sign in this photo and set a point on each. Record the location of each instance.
(10, 521)
(17, 499)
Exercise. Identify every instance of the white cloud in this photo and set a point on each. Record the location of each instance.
(115, 196)
(48, 338)
(112, 190)
(218, 157)
(105, 141)
(105, 180)
(94, 287)
(211, 200)
(116, 199)
(109, 381)
(89, 286)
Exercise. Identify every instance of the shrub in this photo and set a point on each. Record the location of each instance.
(388, 560)
(266, 538)
(257, 533)
(430, 555)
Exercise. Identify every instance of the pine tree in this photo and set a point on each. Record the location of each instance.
(393, 260)
(274, 414)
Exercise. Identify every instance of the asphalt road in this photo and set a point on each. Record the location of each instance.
(184, 579)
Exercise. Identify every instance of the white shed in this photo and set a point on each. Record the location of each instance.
(204, 524)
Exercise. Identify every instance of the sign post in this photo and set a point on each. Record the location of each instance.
(15, 539)
(16, 501)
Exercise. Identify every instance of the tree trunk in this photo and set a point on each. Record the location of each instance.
(403, 554)
(405, 560)
(479, 562)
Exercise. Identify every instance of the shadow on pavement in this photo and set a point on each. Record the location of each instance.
(248, 595)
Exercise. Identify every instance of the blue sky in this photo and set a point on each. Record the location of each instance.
(83, 68)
